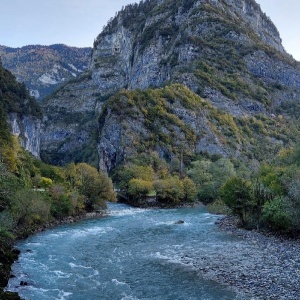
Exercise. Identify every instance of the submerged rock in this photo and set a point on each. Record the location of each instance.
(179, 222)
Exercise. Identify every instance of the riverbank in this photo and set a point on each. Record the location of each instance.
(8, 256)
(260, 267)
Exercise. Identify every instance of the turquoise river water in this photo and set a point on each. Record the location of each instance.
(129, 254)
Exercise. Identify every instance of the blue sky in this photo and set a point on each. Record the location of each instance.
(78, 22)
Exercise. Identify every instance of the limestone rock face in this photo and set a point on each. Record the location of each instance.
(160, 44)
(226, 51)
(262, 66)
(20, 112)
(27, 129)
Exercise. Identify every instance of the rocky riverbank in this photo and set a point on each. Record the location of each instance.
(7, 257)
(258, 267)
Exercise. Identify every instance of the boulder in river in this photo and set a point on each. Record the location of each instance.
(179, 222)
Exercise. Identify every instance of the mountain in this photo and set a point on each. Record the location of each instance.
(179, 78)
(43, 68)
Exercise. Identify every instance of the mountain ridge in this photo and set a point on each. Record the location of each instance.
(44, 68)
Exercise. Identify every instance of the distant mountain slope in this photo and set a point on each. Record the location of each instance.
(43, 68)
(226, 52)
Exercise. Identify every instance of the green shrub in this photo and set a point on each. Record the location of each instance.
(139, 188)
(169, 190)
(30, 208)
(236, 194)
(275, 215)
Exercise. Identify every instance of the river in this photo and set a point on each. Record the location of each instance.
(129, 254)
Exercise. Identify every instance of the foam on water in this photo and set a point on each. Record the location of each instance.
(79, 266)
(126, 297)
(117, 282)
(126, 212)
(33, 244)
(61, 274)
(63, 295)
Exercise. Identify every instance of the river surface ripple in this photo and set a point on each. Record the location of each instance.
(129, 254)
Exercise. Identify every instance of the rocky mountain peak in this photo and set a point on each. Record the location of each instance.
(147, 44)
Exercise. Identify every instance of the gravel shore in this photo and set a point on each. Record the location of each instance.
(256, 266)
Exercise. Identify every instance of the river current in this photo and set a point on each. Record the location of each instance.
(130, 254)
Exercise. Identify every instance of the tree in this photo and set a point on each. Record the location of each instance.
(29, 208)
(97, 188)
(189, 189)
(221, 170)
(169, 190)
(60, 204)
(139, 188)
(292, 201)
(8, 185)
(45, 182)
(210, 176)
(275, 215)
(236, 194)
(271, 177)
(200, 172)
(132, 171)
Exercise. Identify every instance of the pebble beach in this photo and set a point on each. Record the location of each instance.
(259, 267)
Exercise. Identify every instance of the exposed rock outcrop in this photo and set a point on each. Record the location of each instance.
(69, 129)
(27, 128)
(21, 112)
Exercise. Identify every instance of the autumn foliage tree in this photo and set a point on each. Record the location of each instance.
(96, 188)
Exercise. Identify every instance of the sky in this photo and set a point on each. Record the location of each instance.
(78, 22)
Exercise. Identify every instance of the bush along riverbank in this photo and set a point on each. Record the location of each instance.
(262, 196)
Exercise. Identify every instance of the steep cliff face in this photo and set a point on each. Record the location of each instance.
(157, 41)
(43, 68)
(69, 129)
(178, 124)
(27, 129)
(20, 112)
(226, 51)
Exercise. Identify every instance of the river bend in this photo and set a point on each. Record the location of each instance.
(130, 254)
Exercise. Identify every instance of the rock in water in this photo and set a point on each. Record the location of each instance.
(179, 222)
